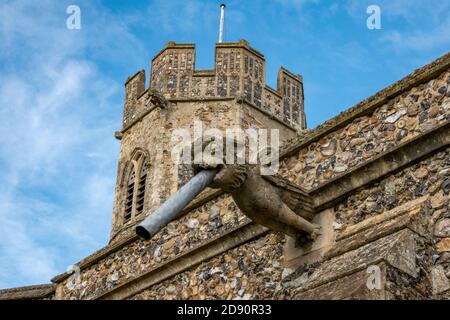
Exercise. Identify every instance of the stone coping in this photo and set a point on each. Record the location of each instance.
(205, 196)
(133, 76)
(364, 107)
(292, 75)
(272, 90)
(176, 264)
(269, 115)
(174, 45)
(204, 99)
(29, 292)
(369, 105)
(367, 232)
(204, 73)
(241, 44)
(379, 166)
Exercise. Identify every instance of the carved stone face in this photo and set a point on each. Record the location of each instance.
(230, 176)
(207, 155)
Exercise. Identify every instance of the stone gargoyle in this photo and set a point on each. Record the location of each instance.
(157, 99)
(269, 200)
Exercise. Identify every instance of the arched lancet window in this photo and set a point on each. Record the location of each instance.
(136, 185)
(141, 189)
(130, 195)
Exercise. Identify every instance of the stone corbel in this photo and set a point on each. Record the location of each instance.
(158, 100)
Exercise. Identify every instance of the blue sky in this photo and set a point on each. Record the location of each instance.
(61, 95)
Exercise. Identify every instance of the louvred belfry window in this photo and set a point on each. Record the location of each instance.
(130, 195)
(135, 187)
(141, 189)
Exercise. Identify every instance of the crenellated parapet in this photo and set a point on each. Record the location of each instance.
(172, 70)
(239, 71)
(134, 88)
(291, 88)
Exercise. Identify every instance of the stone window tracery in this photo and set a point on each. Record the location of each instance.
(136, 187)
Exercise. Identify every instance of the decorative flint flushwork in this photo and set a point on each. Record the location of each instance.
(239, 70)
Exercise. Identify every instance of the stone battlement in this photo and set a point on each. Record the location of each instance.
(239, 71)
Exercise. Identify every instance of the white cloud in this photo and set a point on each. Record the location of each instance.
(178, 16)
(411, 12)
(419, 40)
(298, 4)
(407, 25)
(57, 152)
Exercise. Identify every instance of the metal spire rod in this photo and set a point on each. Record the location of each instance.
(222, 18)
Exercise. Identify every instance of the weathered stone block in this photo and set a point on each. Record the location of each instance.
(439, 281)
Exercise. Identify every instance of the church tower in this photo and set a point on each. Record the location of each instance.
(233, 94)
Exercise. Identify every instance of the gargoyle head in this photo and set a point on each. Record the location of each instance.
(157, 99)
(232, 169)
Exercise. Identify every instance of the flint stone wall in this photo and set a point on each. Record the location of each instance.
(414, 112)
(255, 269)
